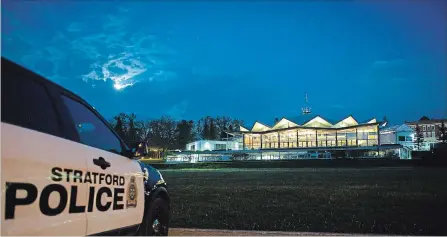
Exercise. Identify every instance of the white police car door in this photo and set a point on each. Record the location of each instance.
(34, 200)
(115, 183)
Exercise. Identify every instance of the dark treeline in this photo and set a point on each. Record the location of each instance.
(168, 134)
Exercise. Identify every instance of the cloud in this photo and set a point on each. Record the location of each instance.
(162, 75)
(108, 49)
(178, 110)
(122, 70)
(128, 55)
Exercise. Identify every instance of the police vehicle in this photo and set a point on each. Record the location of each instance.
(64, 169)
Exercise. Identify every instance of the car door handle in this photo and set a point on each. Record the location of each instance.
(101, 163)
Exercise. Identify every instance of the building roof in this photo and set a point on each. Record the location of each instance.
(397, 128)
(311, 121)
(302, 119)
(425, 121)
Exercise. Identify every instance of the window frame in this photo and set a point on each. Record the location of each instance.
(62, 92)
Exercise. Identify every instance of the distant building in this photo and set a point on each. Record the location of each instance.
(316, 137)
(304, 137)
(399, 134)
(292, 139)
(430, 129)
(317, 132)
(212, 145)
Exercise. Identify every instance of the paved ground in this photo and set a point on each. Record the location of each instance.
(215, 232)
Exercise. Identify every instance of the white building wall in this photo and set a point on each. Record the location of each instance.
(388, 138)
(210, 145)
(402, 135)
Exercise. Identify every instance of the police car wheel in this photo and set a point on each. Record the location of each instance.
(156, 220)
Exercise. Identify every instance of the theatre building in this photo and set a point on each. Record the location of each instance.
(346, 137)
(317, 132)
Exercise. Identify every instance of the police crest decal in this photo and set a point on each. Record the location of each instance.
(132, 193)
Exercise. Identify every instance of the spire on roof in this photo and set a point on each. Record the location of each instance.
(306, 109)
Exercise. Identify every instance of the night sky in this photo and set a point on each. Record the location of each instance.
(247, 60)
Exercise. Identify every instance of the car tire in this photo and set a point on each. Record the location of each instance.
(156, 219)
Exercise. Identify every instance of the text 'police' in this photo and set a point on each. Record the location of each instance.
(104, 187)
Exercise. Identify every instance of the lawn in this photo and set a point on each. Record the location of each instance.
(368, 200)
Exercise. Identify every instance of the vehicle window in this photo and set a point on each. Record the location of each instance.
(91, 129)
(26, 103)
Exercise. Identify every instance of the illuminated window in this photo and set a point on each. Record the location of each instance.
(362, 143)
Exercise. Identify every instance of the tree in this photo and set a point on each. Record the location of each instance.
(203, 129)
(276, 121)
(213, 130)
(119, 126)
(163, 133)
(133, 131)
(145, 131)
(236, 124)
(442, 133)
(223, 134)
(221, 124)
(166, 133)
(423, 118)
(419, 137)
(198, 129)
(206, 130)
(184, 133)
(128, 127)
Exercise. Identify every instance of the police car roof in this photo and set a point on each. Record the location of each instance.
(10, 65)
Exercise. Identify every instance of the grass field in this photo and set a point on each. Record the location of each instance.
(368, 200)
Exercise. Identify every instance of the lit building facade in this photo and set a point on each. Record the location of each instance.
(315, 138)
(399, 134)
(213, 145)
(317, 132)
(430, 129)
